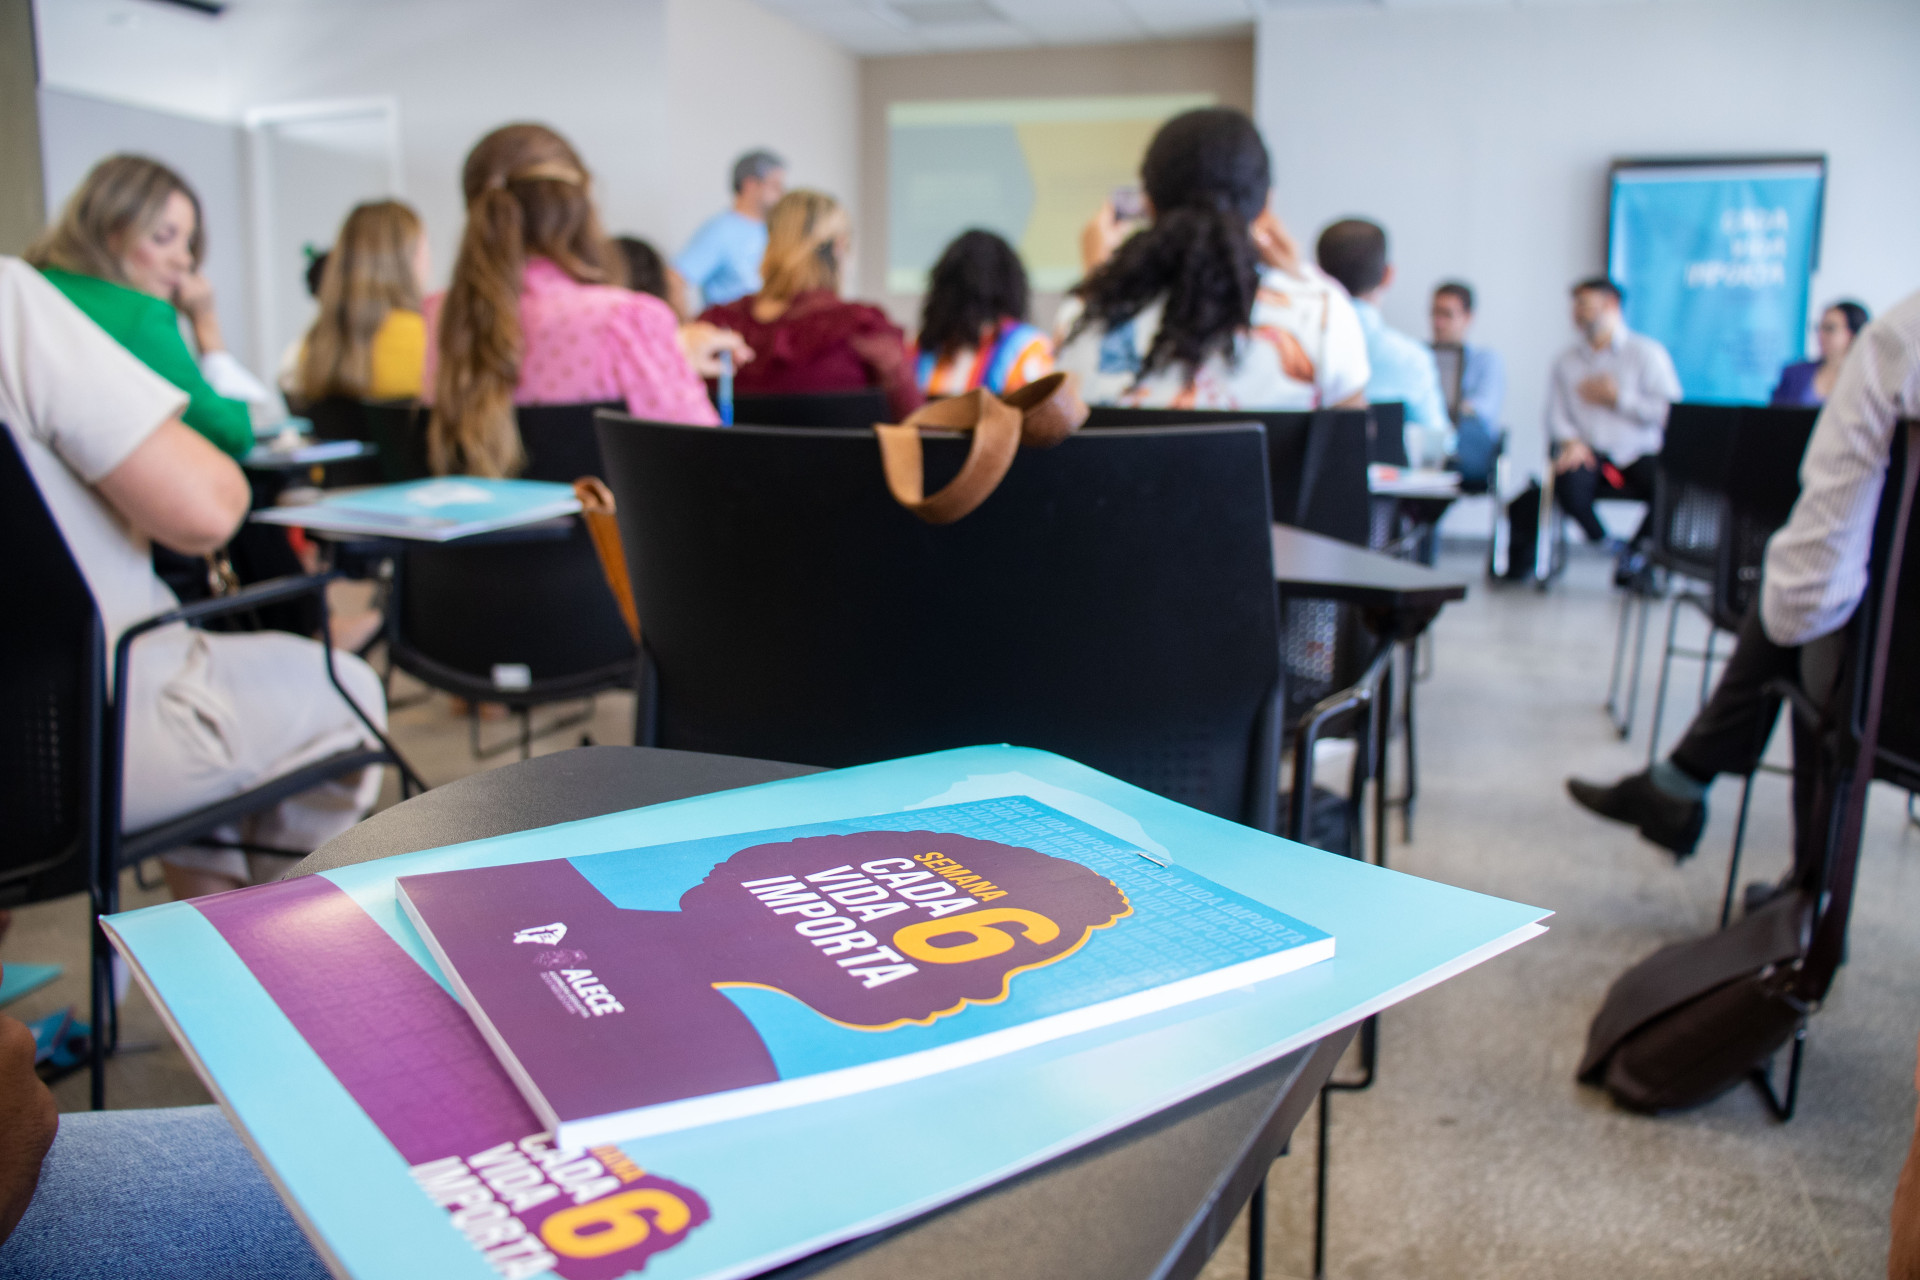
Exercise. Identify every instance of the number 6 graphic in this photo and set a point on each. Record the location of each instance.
(570, 1233)
(917, 940)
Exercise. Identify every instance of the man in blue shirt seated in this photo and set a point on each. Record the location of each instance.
(1473, 382)
(722, 261)
(1354, 252)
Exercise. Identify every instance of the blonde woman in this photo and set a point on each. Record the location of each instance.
(369, 341)
(535, 316)
(127, 251)
(808, 338)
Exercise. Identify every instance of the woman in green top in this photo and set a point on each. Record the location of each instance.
(127, 252)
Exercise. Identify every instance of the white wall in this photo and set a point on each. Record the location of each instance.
(740, 77)
(1480, 136)
(77, 130)
(658, 95)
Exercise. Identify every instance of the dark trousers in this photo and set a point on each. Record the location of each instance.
(1730, 733)
(1577, 490)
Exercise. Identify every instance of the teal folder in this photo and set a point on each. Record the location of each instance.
(317, 1017)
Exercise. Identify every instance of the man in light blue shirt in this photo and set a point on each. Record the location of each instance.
(1354, 252)
(722, 261)
(1473, 381)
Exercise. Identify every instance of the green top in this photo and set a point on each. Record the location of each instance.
(146, 326)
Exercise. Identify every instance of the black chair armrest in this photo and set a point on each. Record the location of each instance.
(251, 597)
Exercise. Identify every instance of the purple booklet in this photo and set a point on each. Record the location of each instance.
(647, 990)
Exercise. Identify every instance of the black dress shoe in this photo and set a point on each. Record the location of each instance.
(1670, 822)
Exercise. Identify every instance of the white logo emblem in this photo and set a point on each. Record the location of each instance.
(546, 935)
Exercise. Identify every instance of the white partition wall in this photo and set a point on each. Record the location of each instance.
(308, 166)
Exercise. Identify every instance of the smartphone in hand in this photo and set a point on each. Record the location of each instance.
(1129, 204)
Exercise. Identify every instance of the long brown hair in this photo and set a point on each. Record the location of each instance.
(801, 251)
(369, 273)
(124, 194)
(527, 194)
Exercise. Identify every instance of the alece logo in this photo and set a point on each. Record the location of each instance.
(546, 935)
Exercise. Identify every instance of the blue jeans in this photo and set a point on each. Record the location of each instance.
(164, 1195)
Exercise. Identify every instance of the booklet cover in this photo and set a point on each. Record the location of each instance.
(316, 1017)
(431, 510)
(817, 961)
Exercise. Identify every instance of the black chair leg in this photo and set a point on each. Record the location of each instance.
(1257, 1233)
(102, 1010)
(1739, 839)
(1762, 1077)
(1660, 695)
(1413, 771)
(1320, 1191)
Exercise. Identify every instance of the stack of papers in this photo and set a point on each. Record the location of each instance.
(431, 510)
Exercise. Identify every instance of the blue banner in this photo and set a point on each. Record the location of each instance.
(1715, 260)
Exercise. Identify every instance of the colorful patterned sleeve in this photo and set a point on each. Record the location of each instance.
(1034, 360)
(652, 371)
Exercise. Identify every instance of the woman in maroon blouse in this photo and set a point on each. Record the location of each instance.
(804, 335)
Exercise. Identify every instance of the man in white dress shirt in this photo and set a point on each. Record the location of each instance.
(1607, 404)
(1814, 575)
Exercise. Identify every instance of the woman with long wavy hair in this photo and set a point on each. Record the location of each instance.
(127, 250)
(535, 314)
(806, 336)
(369, 341)
(1210, 305)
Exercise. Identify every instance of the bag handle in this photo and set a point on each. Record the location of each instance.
(1830, 936)
(597, 509)
(996, 436)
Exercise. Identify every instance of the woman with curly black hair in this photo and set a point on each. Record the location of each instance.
(1210, 306)
(973, 329)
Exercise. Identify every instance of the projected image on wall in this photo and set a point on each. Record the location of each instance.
(1032, 169)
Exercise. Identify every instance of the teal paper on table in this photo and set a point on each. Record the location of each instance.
(432, 510)
(1716, 261)
(412, 1152)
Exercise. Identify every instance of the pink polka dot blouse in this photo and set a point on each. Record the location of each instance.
(594, 342)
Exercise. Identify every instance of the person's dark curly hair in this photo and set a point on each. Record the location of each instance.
(1207, 174)
(977, 283)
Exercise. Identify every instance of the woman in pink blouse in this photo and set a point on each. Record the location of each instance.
(533, 317)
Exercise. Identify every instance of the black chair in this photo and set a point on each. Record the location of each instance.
(522, 617)
(860, 409)
(1317, 461)
(63, 754)
(397, 429)
(1113, 601)
(1731, 483)
(1884, 636)
(559, 439)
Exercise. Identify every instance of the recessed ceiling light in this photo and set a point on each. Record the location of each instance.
(948, 13)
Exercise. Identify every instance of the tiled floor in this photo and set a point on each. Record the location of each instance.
(1476, 1155)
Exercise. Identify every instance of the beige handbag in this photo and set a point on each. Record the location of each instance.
(1038, 415)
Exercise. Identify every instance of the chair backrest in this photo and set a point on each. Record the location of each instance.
(859, 409)
(559, 439)
(1387, 433)
(1762, 481)
(1690, 511)
(467, 616)
(52, 698)
(396, 428)
(1316, 462)
(1899, 755)
(1113, 601)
